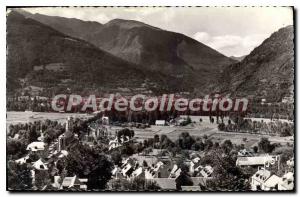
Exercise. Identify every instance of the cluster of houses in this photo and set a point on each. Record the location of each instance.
(263, 179)
(164, 171)
(55, 151)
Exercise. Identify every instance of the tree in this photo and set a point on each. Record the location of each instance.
(198, 145)
(85, 161)
(265, 145)
(226, 175)
(18, 177)
(116, 157)
(229, 122)
(145, 165)
(188, 120)
(125, 133)
(156, 138)
(255, 149)
(183, 180)
(33, 134)
(221, 127)
(42, 178)
(15, 149)
(185, 141)
(227, 146)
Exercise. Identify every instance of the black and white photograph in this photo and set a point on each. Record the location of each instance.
(150, 99)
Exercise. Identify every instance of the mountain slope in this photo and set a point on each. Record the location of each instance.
(267, 72)
(174, 55)
(139, 43)
(31, 44)
(69, 26)
(156, 49)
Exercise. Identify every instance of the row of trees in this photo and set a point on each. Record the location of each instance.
(279, 128)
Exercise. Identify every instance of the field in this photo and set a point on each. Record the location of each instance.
(210, 130)
(196, 129)
(23, 117)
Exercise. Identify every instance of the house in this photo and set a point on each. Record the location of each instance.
(149, 173)
(194, 165)
(271, 183)
(83, 185)
(56, 180)
(40, 165)
(105, 120)
(158, 165)
(23, 160)
(290, 162)
(256, 161)
(73, 183)
(160, 123)
(206, 171)
(63, 153)
(259, 178)
(127, 170)
(137, 172)
(245, 153)
(175, 172)
(36, 146)
(65, 139)
(114, 144)
(196, 159)
(286, 182)
(156, 171)
(115, 170)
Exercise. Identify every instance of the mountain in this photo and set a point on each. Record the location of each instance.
(267, 72)
(239, 59)
(152, 49)
(69, 26)
(35, 52)
(157, 49)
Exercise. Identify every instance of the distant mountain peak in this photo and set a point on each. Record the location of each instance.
(128, 24)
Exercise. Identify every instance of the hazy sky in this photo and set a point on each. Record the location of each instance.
(232, 31)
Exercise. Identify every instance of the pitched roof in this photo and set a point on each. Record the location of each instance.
(22, 160)
(66, 134)
(287, 181)
(165, 183)
(160, 122)
(34, 146)
(40, 165)
(272, 181)
(69, 181)
(249, 161)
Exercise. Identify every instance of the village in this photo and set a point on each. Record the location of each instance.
(186, 153)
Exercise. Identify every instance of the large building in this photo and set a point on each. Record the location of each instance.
(65, 139)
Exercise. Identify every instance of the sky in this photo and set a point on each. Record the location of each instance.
(233, 31)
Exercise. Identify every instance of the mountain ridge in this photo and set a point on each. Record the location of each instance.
(31, 43)
(153, 50)
(267, 72)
